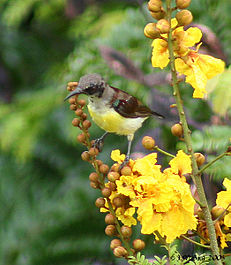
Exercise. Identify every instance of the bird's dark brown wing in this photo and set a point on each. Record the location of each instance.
(129, 106)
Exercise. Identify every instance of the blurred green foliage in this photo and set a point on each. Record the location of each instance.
(47, 207)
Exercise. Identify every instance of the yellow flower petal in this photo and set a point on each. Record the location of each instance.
(176, 222)
(146, 166)
(160, 53)
(126, 216)
(198, 68)
(210, 66)
(116, 156)
(227, 220)
(125, 187)
(174, 23)
(193, 36)
(224, 197)
(227, 184)
(181, 164)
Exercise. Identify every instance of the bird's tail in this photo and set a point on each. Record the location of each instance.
(158, 115)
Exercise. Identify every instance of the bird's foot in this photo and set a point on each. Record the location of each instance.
(125, 162)
(98, 143)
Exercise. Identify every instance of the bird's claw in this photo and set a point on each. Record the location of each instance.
(98, 144)
(125, 162)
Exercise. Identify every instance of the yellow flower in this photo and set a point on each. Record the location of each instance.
(181, 164)
(125, 187)
(224, 200)
(185, 39)
(126, 216)
(163, 200)
(198, 68)
(182, 40)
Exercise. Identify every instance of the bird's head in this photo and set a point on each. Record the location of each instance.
(91, 85)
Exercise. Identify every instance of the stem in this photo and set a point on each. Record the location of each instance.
(211, 162)
(163, 152)
(222, 214)
(126, 245)
(95, 165)
(187, 137)
(194, 242)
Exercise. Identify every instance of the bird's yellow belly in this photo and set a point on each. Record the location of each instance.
(111, 121)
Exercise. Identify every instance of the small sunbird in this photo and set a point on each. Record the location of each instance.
(112, 109)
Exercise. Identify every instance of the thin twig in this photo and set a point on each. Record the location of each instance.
(194, 242)
(212, 162)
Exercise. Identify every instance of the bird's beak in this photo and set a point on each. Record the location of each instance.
(77, 91)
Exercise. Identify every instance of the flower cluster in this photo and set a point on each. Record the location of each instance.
(197, 68)
(221, 214)
(224, 202)
(162, 200)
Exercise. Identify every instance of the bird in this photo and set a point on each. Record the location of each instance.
(112, 109)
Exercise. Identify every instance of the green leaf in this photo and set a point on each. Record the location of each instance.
(220, 92)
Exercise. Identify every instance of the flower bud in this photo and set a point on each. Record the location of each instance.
(118, 202)
(85, 156)
(79, 112)
(86, 124)
(71, 100)
(150, 31)
(99, 162)
(69, 88)
(73, 107)
(126, 171)
(229, 150)
(72, 84)
(177, 130)
(115, 167)
(94, 177)
(163, 26)
(148, 142)
(94, 185)
(217, 211)
(110, 219)
(184, 17)
(104, 168)
(82, 102)
(84, 116)
(115, 243)
(112, 186)
(181, 4)
(200, 159)
(200, 214)
(126, 231)
(154, 5)
(81, 138)
(75, 122)
(100, 202)
(106, 192)
(93, 151)
(158, 15)
(138, 244)
(120, 252)
(113, 176)
(110, 230)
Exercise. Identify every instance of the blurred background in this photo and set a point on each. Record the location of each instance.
(48, 215)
